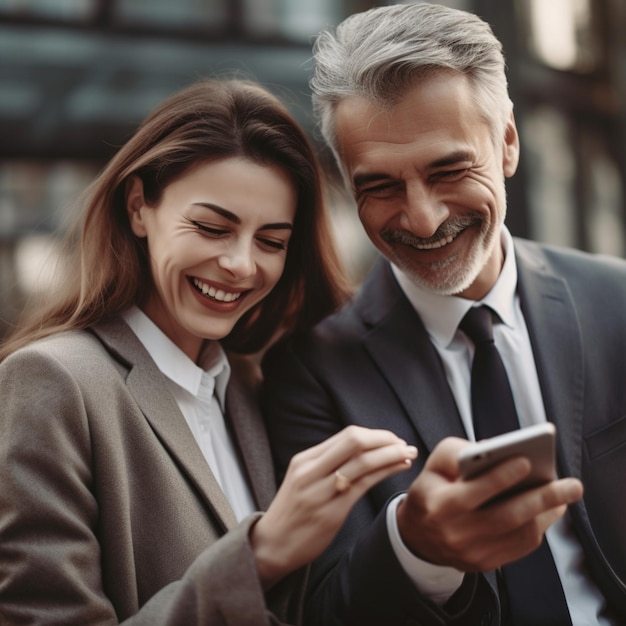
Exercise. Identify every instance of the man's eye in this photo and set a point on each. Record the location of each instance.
(451, 175)
(378, 191)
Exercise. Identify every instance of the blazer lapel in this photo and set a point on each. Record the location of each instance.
(242, 408)
(557, 347)
(399, 345)
(164, 416)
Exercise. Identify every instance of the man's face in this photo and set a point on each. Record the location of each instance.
(429, 183)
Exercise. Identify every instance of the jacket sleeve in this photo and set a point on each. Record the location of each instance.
(222, 588)
(50, 553)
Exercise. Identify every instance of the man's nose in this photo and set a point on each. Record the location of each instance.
(424, 210)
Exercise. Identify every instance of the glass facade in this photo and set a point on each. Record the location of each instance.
(562, 34)
(69, 10)
(76, 77)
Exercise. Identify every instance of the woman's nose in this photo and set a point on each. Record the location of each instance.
(238, 260)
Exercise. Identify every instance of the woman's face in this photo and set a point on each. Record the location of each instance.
(217, 243)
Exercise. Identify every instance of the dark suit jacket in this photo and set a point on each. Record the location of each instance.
(373, 364)
(108, 511)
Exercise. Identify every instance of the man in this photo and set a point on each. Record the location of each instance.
(413, 101)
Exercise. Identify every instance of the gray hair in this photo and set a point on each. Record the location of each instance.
(382, 53)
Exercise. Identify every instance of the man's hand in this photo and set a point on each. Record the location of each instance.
(450, 521)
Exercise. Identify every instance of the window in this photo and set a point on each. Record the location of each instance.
(207, 15)
(562, 34)
(69, 10)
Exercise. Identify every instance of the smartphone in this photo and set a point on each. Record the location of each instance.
(537, 443)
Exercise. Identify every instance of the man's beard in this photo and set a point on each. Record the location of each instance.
(445, 277)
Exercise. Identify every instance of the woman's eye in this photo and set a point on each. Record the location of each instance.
(209, 229)
(271, 243)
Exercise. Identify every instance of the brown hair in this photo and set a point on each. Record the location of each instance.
(210, 120)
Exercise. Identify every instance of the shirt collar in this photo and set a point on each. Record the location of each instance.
(441, 315)
(175, 364)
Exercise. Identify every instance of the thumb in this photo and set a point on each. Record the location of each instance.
(444, 458)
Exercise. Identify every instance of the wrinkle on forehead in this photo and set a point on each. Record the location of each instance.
(435, 123)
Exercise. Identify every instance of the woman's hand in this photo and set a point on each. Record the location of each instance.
(322, 484)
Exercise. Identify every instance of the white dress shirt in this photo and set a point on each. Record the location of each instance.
(441, 316)
(200, 394)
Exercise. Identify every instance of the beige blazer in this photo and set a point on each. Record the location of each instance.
(109, 512)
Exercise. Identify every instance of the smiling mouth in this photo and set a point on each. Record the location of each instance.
(219, 295)
(444, 237)
(408, 239)
(436, 244)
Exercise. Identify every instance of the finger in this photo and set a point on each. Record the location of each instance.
(484, 541)
(444, 458)
(543, 521)
(365, 482)
(482, 489)
(505, 548)
(372, 460)
(541, 505)
(508, 529)
(327, 456)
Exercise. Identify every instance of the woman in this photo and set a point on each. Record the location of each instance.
(132, 455)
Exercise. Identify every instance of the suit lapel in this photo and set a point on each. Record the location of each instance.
(557, 347)
(402, 351)
(144, 382)
(399, 345)
(405, 356)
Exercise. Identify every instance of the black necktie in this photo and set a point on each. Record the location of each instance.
(532, 584)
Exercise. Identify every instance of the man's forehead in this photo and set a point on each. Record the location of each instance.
(433, 129)
(359, 113)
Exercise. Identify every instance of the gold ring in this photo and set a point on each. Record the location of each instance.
(342, 483)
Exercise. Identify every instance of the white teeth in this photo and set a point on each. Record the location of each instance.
(436, 244)
(217, 294)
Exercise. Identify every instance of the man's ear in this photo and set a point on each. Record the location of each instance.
(135, 205)
(510, 148)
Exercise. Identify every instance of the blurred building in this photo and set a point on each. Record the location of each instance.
(77, 76)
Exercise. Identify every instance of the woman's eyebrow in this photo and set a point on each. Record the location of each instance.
(225, 213)
(277, 226)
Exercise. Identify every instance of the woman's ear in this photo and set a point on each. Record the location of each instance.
(135, 205)
(510, 155)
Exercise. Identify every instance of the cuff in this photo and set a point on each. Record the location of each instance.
(436, 582)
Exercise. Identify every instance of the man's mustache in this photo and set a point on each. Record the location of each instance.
(450, 228)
